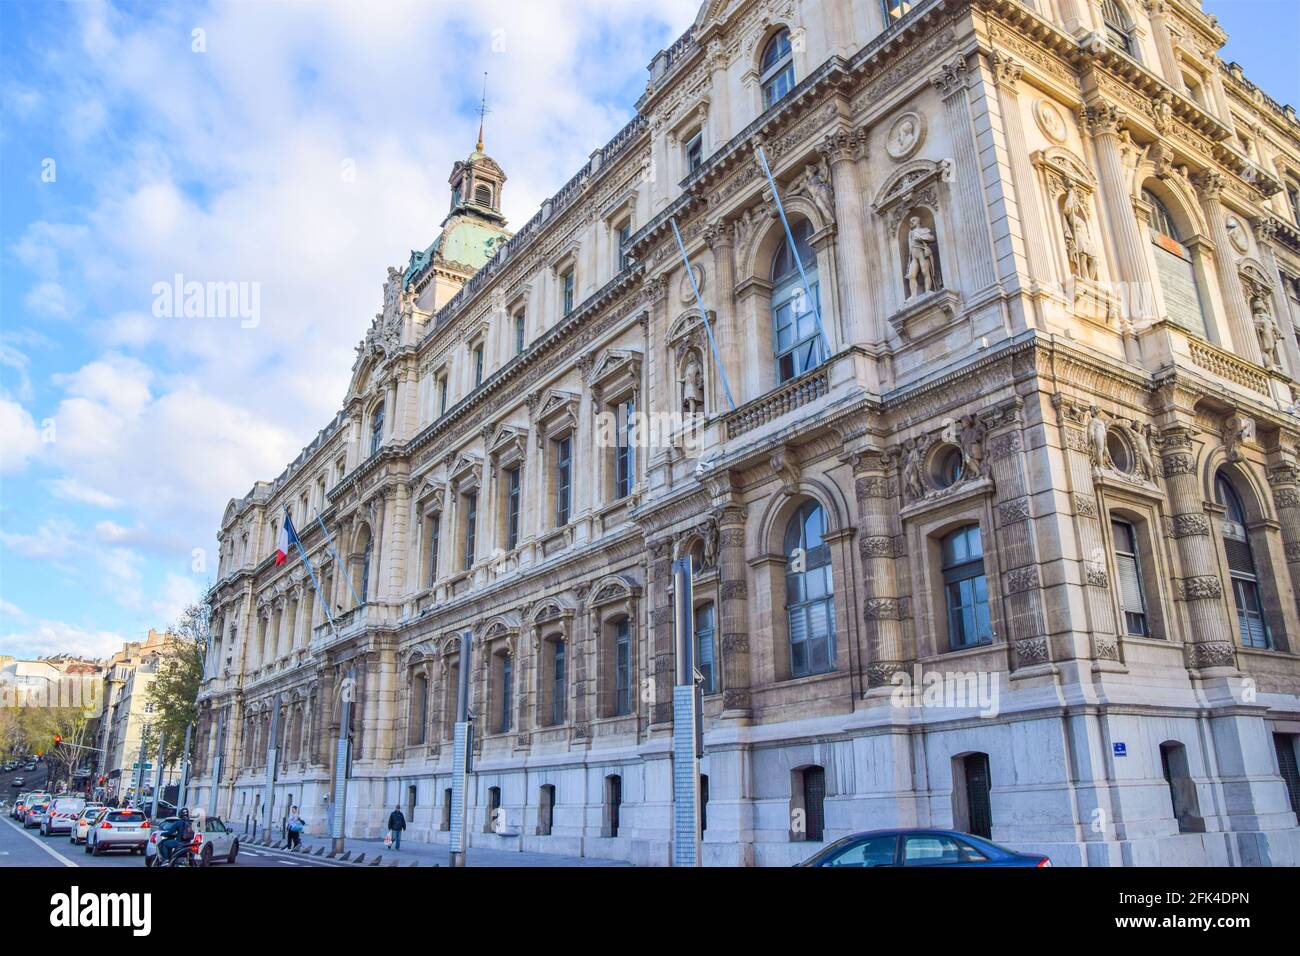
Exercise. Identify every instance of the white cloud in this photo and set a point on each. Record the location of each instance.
(45, 638)
(70, 489)
(19, 438)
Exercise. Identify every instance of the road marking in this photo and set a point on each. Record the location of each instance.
(289, 862)
(58, 856)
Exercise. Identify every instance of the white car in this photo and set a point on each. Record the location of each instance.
(118, 829)
(63, 816)
(82, 826)
(217, 842)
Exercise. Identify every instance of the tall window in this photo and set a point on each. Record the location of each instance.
(435, 532)
(810, 613)
(794, 319)
(1117, 26)
(567, 294)
(624, 453)
(1293, 200)
(442, 395)
(895, 10)
(471, 519)
(1132, 598)
(705, 661)
(776, 68)
(1174, 269)
(563, 479)
(507, 690)
(377, 429)
(478, 365)
(419, 708)
(519, 333)
(694, 152)
(624, 233)
(1241, 565)
(559, 683)
(966, 589)
(814, 803)
(366, 556)
(622, 668)
(512, 508)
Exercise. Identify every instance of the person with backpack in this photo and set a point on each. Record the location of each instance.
(293, 828)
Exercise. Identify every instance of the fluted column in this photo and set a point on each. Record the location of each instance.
(733, 596)
(1208, 640)
(1158, 13)
(660, 639)
(842, 149)
(1209, 187)
(1285, 480)
(974, 235)
(1104, 121)
(880, 548)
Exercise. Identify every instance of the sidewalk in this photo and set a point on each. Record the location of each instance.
(430, 854)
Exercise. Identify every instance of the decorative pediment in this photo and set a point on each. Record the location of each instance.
(915, 184)
(613, 588)
(1060, 168)
(433, 496)
(467, 472)
(614, 370)
(420, 653)
(550, 609)
(501, 626)
(508, 444)
(557, 411)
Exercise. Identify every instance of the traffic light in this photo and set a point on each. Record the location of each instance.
(58, 739)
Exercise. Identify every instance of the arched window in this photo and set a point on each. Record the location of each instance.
(966, 589)
(1118, 30)
(377, 429)
(1174, 269)
(483, 195)
(419, 708)
(1241, 565)
(776, 68)
(794, 318)
(705, 661)
(809, 608)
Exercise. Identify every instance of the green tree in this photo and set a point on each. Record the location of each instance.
(175, 691)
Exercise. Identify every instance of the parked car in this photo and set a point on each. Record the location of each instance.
(36, 813)
(83, 822)
(118, 829)
(64, 813)
(217, 842)
(920, 848)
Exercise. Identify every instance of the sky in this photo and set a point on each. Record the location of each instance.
(294, 150)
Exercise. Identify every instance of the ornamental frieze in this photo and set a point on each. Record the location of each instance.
(1022, 579)
(881, 673)
(882, 609)
(1011, 512)
(876, 546)
(1187, 525)
(1200, 588)
(1211, 654)
(1178, 464)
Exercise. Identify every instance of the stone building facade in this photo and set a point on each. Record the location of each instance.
(1002, 532)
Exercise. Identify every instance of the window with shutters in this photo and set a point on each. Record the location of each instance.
(966, 590)
(1285, 745)
(1119, 30)
(1175, 269)
(1128, 573)
(705, 657)
(1251, 624)
(809, 604)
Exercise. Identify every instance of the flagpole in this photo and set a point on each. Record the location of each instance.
(704, 315)
(789, 237)
(330, 542)
(311, 572)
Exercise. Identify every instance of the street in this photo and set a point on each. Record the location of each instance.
(19, 847)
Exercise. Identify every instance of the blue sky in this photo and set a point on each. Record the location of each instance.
(298, 149)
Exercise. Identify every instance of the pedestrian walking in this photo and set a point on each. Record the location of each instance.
(397, 823)
(294, 827)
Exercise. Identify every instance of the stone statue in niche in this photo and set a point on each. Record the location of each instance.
(1097, 427)
(692, 382)
(921, 271)
(1079, 245)
(1266, 328)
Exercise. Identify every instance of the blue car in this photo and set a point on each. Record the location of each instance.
(920, 848)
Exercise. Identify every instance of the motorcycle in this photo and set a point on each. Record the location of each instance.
(186, 855)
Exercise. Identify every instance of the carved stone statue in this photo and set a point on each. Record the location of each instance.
(1237, 430)
(970, 438)
(1266, 328)
(1079, 244)
(692, 382)
(920, 258)
(709, 533)
(1146, 461)
(1097, 428)
(819, 188)
(914, 450)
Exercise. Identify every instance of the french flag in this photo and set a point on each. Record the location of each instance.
(288, 536)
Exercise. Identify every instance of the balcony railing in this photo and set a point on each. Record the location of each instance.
(796, 393)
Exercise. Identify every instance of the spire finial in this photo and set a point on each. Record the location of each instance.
(482, 111)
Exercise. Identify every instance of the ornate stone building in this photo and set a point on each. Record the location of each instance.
(1009, 540)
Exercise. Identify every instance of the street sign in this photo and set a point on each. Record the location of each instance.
(1121, 749)
(148, 765)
